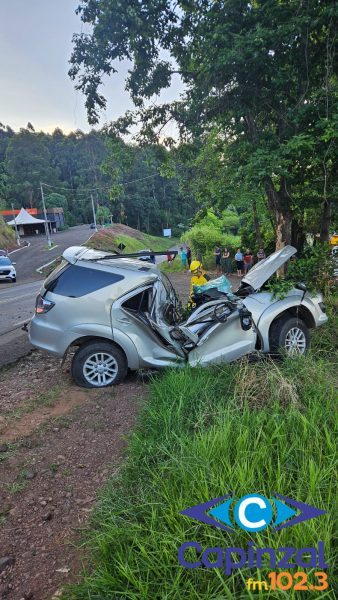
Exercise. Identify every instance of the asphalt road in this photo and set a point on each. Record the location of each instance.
(17, 300)
(17, 304)
(29, 259)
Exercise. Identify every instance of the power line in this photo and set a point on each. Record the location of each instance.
(56, 187)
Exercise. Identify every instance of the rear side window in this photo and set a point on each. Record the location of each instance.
(74, 281)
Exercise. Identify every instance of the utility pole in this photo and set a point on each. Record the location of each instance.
(94, 215)
(17, 235)
(49, 241)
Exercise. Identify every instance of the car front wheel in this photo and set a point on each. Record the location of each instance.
(290, 336)
(99, 364)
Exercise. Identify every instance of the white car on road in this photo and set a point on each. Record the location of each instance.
(7, 269)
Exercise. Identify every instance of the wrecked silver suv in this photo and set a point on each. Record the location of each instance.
(122, 313)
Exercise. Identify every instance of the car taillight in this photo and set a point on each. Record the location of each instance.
(42, 305)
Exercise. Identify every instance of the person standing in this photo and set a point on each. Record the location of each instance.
(261, 254)
(189, 256)
(239, 262)
(183, 253)
(248, 260)
(226, 261)
(218, 255)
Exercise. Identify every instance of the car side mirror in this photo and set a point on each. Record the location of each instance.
(301, 286)
(13, 263)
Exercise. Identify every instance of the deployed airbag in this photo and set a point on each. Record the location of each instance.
(222, 284)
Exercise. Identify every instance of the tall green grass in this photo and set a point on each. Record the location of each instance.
(242, 428)
(7, 236)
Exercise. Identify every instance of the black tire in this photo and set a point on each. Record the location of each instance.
(284, 331)
(116, 366)
(14, 279)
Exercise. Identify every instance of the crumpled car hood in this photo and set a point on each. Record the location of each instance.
(263, 270)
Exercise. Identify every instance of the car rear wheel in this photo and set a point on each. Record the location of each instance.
(99, 364)
(289, 336)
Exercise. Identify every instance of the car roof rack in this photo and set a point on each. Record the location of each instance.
(133, 255)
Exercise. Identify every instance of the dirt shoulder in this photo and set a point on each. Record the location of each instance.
(58, 445)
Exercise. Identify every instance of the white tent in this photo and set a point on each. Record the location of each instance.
(24, 218)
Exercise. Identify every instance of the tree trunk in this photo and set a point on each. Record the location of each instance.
(256, 225)
(283, 229)
(325, 221)
(297, 235)
(279, 202)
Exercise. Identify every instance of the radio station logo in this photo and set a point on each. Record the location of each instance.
(252, 512)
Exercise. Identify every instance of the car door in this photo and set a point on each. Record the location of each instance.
(133, 316)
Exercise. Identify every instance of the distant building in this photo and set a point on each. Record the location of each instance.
(31, 221)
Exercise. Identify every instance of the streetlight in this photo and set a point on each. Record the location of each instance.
(49, 241)
(94, 215)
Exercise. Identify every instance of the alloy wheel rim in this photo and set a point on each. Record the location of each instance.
(295, 341)
(100, 369)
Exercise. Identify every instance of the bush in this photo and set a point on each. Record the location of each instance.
(204, 238)
(7, 236)
(212, 230)
(314, 268)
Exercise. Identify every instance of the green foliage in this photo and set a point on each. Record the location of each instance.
(102, 214)
(124, 178)
(314, 269)
(211, 230)
(260, 94)
(27, 162)
(202, 433)
(143, 193)
(174, 266)
(55, 200)
(7, 236)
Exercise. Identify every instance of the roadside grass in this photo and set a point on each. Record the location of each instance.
(174, 266)
(7, 236)
(241, 428)
(108, 240)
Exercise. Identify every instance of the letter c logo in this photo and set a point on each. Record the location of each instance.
(181, 557)
(253, 512)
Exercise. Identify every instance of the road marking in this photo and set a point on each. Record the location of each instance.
(16, 298)
(23, 247)
(22, 288)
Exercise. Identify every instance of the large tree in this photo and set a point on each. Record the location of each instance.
(264, 72)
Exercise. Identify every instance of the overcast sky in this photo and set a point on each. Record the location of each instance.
(35, 47)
